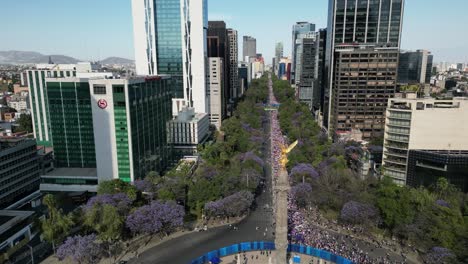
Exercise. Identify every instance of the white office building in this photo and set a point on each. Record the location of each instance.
(215, 91)
(170, 38)
(187, 131)
(422, 124)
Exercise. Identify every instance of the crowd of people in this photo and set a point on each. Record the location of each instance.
(300, 229)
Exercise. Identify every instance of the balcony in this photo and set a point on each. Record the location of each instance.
(398, 139)
(404, 132)
(395, 154)
(396, 146)
(398, 124)
(396, 161)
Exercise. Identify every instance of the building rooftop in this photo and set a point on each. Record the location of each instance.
(72, 172)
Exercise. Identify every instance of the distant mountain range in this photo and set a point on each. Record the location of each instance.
(31, 57)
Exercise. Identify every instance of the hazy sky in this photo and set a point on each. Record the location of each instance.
(96, 29)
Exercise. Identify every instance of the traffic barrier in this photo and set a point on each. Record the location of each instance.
(263, 245)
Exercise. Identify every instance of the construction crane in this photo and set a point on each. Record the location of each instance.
(284, 153)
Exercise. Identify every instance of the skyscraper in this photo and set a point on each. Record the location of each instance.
(250, 47)
(363, 41)
(279, 49)
(415, 67)
(218, 47)
(233, 61)
(173, 44)
(300, 31)
(308, 72)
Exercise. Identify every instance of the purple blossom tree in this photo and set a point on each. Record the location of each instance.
(233, 205)
(439, 255)
(80, 249)
(358, 213)
(119, 200)
(301, 194)
(156, 217)
(144, 185)
(304, 170)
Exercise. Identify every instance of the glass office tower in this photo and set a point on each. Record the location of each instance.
(170, 38)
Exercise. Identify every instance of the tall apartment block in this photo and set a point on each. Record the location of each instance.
(426, 139)
(19, 176)
(233, 61)
(363, 42)
(300, 31)
(173, 44)
(216, 83)
(415, 67)
(249, 47)
(130, 118)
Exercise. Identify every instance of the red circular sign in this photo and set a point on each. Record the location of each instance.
(102, 103)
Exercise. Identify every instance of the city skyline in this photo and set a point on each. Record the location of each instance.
(97, 36)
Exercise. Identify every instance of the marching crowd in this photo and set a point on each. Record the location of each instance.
(301, 231)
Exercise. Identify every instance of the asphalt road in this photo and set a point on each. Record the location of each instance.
(183, 249)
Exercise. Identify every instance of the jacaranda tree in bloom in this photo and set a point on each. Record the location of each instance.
(156, 217)
(233, 205)
(80, 249)
(303, 172)
(359, 213)
(119, 200)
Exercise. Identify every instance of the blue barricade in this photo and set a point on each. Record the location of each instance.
(263, 245)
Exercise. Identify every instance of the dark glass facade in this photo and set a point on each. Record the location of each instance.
(71, 123)
(169, 42)
(366, 21)
(425, 167)
(415, 67)
(150, 105)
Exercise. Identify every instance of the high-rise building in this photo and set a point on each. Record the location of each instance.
(71, 122)
(173, 44)
(300, 31)
(234, 61)
(363, 42)
(36, 78)
(215, 91)
(417, 152)
(279, 49)
(249, 47)
(308, 76)
(415, 67)
(218, 47)
(19, 176)
(319, 93)
(130, 119)
(244, 77)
